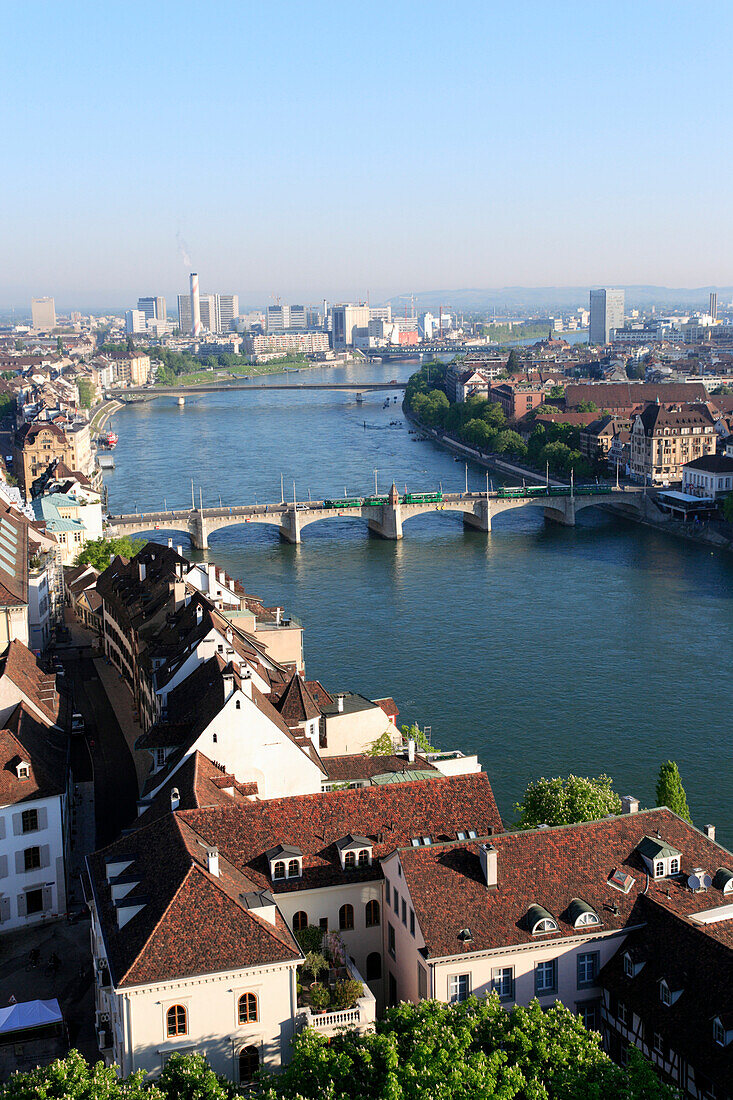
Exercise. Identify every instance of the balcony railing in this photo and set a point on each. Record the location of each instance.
(361, 1017)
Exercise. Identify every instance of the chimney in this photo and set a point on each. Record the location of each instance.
(199, 614)
(179, 595)
(246, 679)
(489, 865)
(229, 635)
(212, 860)
(411, 751)
(228, 685)
(278, 616)
(179, 551)
(710, 832)
(141, 570)
(222, 577)
(629, 804)
(195, 306)
(170, 544)
(211, 570)
(175, 798)
(340, 703)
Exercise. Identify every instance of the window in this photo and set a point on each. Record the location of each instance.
(323, 924)
(373, 966)
(300, 921)
(589, 1014)
(176, 1022)
(350, 859)
(659, 1044)
(364, 857)
(346, 917)
(372, 913)
(674, 866)
(34, 901)
(395, 901)
(502, 980)
(249, 1063)
(279, 870)
(545, 977)
(412, 922)
(404, 912)
(664, 994)
(659, 868)
(159, 758)
(29, 821)
(628, 966)
(390, 940)
(294, 868)
(586, 919)
(546, 925)
(422, 982)
(587, 968)
(247, 1010)
(386, 892)
(459, 988)
(718, 1032)
(32, 858)
(622, 1014)
(238, 705)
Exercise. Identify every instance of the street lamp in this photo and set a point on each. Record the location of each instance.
(375, 481)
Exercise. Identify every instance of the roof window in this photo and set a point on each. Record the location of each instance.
(723, 880)
(620, 880)
(661, 859)
(355, 851)
(286, 862)
(581, 915)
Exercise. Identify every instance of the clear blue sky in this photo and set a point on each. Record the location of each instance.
(311, 149)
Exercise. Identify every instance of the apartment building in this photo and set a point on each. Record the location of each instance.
(664, 438)
(42, 442)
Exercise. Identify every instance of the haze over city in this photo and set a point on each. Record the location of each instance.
(338, 150)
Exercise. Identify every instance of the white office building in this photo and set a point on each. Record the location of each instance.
(606, 314)
(43, 314)
(153, 309)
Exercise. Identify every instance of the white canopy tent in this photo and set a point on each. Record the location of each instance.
(29, 1014)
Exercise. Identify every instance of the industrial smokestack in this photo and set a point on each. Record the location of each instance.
(195, 307)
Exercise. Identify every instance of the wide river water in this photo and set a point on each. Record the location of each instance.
(545, 650)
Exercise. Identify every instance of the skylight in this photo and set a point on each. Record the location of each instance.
(621, 881)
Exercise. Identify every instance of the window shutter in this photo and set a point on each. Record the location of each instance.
(19, 863)
(45, 855)
(17, 824)
(3, 866)
(4, 909)
(47, 898)
(21, 905)
(42, 817)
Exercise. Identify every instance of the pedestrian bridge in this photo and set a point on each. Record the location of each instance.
(384, 515)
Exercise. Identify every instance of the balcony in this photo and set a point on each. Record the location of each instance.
(338, 1002)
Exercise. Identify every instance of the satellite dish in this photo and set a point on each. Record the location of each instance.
(699, 880)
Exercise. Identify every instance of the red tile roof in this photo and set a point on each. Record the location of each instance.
(191, 922)
(550, 867)
(389, 814)
(388, 705)
(350, 769)
(296, 704)
(24, 738)
(39, 688)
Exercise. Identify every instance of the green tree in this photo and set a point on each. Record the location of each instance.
(471, 1051)
(382, 746)
(670, 791)
(73, 1078)
(130, 343)
(587, 406)
(190, 1077)
(59, 345)
(86, 393)
(728, 508)
(556, 391)
(566, 801)
(513, 363)
(100, 552)
(414, 733)
(509, 442)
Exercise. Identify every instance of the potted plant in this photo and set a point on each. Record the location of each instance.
(315, 963)
(320, 996)
(346, 993)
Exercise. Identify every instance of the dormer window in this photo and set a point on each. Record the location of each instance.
(23, 769)
(540, 921)
(628, 966)
(355, 851)
(285, 861)
(665, 995)
(581, 915)
(721, 1034)
(661, 859)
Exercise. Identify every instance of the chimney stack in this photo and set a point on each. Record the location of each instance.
(195, 306)
(489, 865)
(340, 703)
(228, 680)
(629, 804)
(199, 614)
(175, 798)
(212, 860)
(179, 551)
(710, 832)
(141, 570)
(411, 751)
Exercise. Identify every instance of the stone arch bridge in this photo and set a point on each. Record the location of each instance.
(384, 515)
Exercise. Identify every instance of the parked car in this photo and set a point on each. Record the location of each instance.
(77, 724)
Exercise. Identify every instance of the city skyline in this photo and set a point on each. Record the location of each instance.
(321, 152)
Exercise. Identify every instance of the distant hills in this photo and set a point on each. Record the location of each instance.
(549, 298)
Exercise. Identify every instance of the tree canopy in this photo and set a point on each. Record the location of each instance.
(670, 791)
(100, 552)
(566, 801)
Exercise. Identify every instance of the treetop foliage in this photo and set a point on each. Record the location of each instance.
(670, 791)
(99, 552)
(567, 801)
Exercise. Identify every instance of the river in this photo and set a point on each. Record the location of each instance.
(546, 650)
